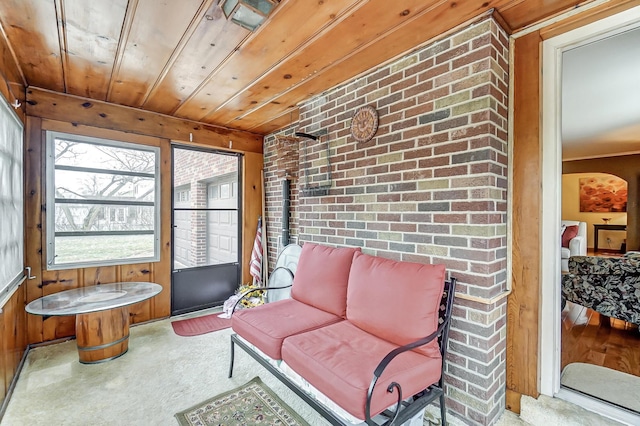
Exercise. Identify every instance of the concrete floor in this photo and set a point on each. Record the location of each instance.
(164, 373)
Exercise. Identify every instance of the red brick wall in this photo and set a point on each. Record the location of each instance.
(193, 165)
(430, 187)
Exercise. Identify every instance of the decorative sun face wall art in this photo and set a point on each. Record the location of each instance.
(603, 194)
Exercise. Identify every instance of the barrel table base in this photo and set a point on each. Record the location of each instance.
(102, 336)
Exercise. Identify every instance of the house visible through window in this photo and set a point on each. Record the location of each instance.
(105, 201)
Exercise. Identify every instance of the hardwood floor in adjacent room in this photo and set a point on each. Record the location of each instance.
(592, 338)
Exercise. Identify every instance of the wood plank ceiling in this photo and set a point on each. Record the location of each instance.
(184, 59)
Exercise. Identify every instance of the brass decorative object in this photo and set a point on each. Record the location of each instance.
(364, 123)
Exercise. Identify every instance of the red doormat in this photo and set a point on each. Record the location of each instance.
(200, 325)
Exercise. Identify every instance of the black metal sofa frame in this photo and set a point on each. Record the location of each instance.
(404, 410)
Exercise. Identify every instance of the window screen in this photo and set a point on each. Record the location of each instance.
(11, 200)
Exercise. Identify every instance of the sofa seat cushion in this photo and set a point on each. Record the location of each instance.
(322, 276)
(266, 326)
(396, 301)
(339, 360)
(565, 253)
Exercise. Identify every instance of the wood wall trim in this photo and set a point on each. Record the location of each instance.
(513, 401)
(161, 271)
(57, 106)
(523, 303)
(33, 169)
(95, 132)
(251, 207)
(587, 17)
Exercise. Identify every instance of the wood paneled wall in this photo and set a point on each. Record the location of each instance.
(522, 307)
(47, 281)
(17, 328)
(523, 333)
(78, 110)
(49, 108)
(13, 338)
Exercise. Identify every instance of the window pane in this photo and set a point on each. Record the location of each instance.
(103, 248)
(73, 151)
(11, 199)
(105, 201)
(86, 218)
(203, 238)
(108, 186)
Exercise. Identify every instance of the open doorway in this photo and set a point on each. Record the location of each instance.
(206, 234)
(594, 136)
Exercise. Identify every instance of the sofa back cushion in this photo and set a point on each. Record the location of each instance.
(395, 301)
(322, 276)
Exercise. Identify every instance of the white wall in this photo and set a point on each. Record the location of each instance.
(571, 211)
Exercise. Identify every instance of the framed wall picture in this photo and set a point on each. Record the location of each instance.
(603, 194)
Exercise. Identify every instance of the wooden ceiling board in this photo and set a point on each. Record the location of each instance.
(8, 63)
(525, 13)
(11, 79)
(278, 122)
(596, 13)
(315, 56)
(271, 43)
(183, 58)
(211, 43)
(156, 30)
(32, 31)
(420, 29)
(92, 31)
(201, 15)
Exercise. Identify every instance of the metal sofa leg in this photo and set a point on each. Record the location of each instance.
(233, 346)
(443, 411)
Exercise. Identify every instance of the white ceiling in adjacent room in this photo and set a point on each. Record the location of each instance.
(601, 97)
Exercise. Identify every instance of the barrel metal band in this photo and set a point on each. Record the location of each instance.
(106, 345)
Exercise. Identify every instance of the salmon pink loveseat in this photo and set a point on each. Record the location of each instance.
(361, 335)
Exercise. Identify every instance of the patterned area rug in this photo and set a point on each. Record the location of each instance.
(251, 404)
(200, 325)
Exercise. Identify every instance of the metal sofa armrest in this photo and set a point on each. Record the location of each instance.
(248, 292)
(442, 331)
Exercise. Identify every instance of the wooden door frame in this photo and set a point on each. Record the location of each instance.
(527, 347)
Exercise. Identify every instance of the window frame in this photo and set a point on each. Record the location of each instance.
(14, 274)
(50, 255)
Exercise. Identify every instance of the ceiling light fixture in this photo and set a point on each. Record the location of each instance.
(247, 13)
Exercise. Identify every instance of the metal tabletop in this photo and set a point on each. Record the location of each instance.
(93, 298)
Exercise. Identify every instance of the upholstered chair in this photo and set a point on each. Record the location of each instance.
(608, 285)
(574, 241)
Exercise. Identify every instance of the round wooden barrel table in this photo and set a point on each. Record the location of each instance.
(102, 316)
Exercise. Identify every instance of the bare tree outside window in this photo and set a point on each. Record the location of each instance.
(104, 193)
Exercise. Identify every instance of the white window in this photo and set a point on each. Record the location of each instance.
(183, 196)
(91, 185)
(117, 215)
(224, 190)
(213, 192)
(11, 200)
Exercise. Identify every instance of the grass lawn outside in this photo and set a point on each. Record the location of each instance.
(105, 247)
